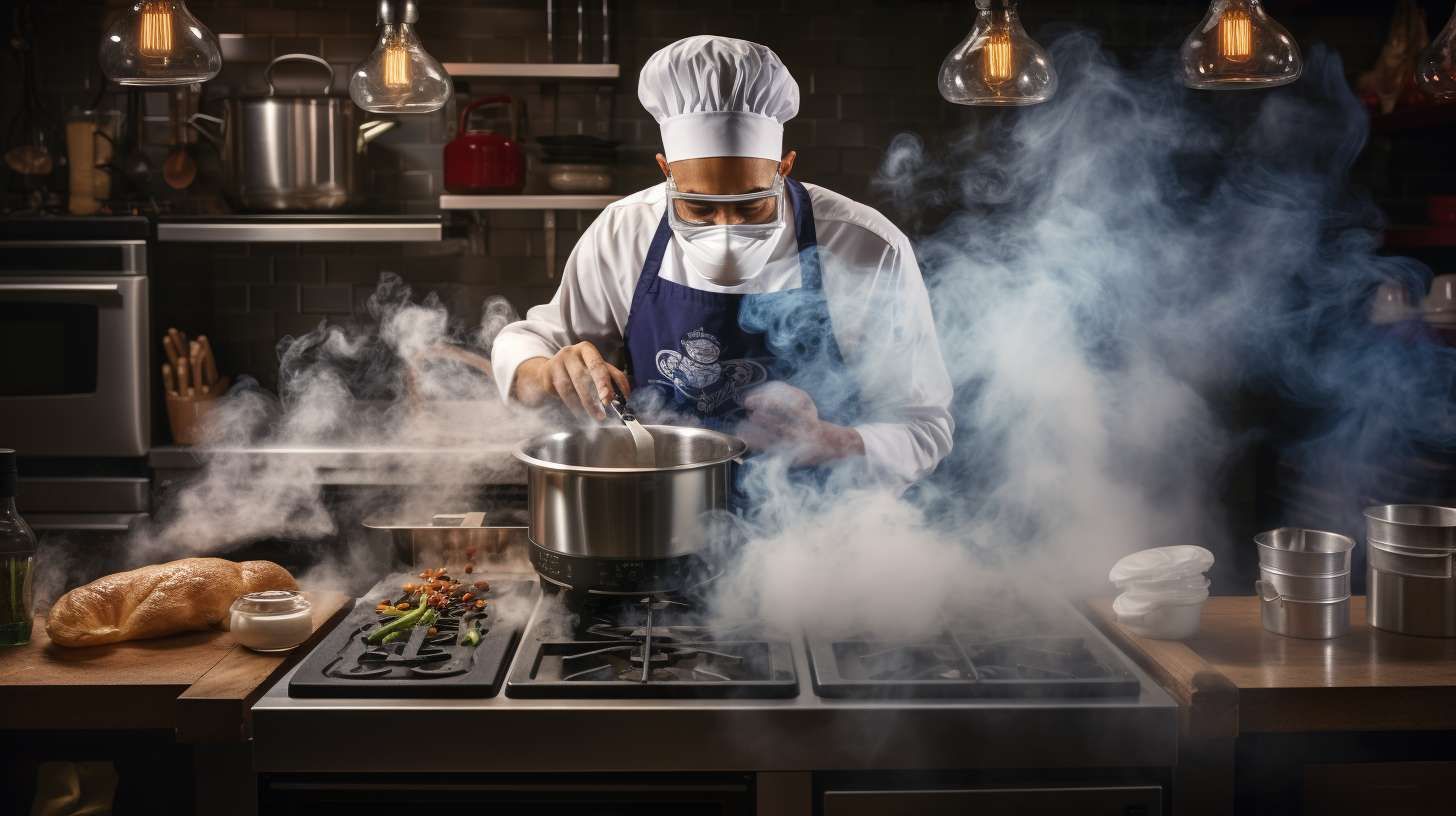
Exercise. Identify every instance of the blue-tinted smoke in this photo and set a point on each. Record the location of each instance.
(1116, 276)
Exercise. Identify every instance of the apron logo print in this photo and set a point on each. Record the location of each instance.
(698, 374)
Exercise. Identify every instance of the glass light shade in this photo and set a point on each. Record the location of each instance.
(159, 42)
(1239, 46)
(997, 63)
(400, 76)
(1435, 70)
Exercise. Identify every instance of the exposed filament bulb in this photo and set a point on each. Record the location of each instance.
(397, 65)
(996, 58)
(1235, 35)
(154, 39)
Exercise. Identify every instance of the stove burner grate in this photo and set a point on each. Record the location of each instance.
(651, 648)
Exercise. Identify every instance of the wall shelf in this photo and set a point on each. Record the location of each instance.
(533, 70)
(526, 202)
(300, 229)
(1421, 237)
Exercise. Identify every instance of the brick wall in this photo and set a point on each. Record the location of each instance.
(866, 69)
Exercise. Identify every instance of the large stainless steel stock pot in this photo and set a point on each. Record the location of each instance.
(600, 525)
(292, 152)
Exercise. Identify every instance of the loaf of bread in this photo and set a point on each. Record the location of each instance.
(158, 600)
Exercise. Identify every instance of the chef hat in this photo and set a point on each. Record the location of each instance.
(717, 96)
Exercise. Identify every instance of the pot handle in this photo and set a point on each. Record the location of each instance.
(490, 100)
(215, 138)
(1267, 593)
(268, 72)
(371, 130)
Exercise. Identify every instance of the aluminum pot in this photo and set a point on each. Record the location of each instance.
(1422, 526)
(1412, 591)
(299, 152)
(1305, 552)
(600, 525)
(1316, 620)
(1306, 587)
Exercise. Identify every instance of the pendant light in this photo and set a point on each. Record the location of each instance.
(159, 42)
(997, 63)
(400, 76)
(1239, 47)
(1436, 70)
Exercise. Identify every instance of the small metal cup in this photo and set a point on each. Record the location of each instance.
(1306, 587)
(1315, 620)
(1298, 551)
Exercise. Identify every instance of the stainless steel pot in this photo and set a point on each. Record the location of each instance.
(1422, 526)
(1412, 591)
(293, 152)
(1305, 552)
(599, 524)
(1318, 620)
(1410, 578)
(1306, 587)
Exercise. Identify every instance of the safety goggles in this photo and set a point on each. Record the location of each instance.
(687, 211)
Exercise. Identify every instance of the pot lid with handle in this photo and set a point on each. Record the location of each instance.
(298, 76)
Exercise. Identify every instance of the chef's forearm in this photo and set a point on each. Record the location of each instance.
(837, 442)
(532, 386)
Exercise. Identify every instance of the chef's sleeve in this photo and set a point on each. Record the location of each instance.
(580, 310)
(905, 418)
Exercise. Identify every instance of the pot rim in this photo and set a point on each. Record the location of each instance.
(1372, 510)
(1262, 540)
(737, 447)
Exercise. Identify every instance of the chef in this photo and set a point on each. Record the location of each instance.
(734, 296)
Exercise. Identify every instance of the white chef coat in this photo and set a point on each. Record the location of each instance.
(876, 298)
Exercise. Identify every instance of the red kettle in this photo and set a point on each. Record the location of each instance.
(483, 161)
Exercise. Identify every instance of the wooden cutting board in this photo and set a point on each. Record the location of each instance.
(200, 684)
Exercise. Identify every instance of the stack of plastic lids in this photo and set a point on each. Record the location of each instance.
(1163, 590)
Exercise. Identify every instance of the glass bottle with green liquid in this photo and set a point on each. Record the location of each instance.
(17, 560)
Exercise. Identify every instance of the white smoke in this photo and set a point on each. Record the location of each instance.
(402, 385)
(1107, 270)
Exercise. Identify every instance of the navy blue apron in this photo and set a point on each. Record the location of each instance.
(698, 353)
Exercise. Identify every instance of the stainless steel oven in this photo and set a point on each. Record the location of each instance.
(75, 370)
(74, 366)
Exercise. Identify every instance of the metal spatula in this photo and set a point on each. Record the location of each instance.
(645, 454)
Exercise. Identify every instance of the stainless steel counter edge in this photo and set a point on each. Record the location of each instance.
(353, 232)
(800, 734)
(493, 464)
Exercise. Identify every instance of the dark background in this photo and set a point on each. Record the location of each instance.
(866, 69)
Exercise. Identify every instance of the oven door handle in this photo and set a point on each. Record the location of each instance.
(103, 294)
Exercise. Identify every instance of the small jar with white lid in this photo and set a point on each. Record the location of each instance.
(273, 621)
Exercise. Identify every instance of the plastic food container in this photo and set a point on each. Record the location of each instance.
(1164, 591)
(1161, 619)
(272, 621)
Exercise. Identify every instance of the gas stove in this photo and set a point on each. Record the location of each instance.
(651, 695)
(647, 647)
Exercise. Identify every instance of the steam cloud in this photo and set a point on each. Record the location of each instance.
(1108, 271)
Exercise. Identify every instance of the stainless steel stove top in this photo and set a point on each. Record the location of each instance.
(804, 730)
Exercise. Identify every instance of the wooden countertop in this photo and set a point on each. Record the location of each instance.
(1234, 677)
(200, 684)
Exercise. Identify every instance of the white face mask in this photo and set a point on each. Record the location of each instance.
(728, 254)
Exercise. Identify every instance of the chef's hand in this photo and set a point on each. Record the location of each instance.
(577, 376)
(784, 418)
